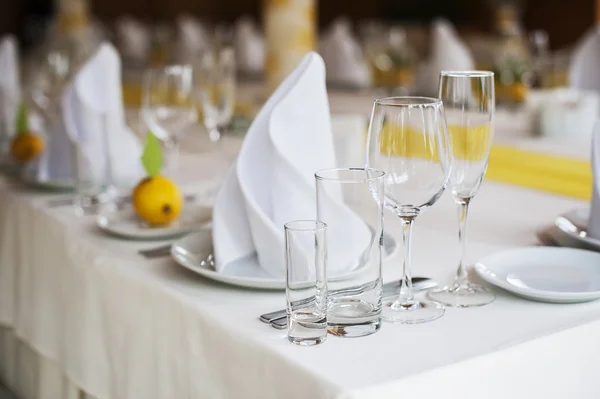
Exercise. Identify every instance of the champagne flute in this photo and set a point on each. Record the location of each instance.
(408, 140)
(168, 107)
(469, 100)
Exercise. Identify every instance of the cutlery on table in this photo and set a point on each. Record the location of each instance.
(278, 319)
(156, 252)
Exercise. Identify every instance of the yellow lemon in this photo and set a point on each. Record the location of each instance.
(157, 200)
(26, 147)
(519, 92)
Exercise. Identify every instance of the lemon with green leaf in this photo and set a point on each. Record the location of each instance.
(156, 199)
(26, 146)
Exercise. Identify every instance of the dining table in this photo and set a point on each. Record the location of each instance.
(83, 315)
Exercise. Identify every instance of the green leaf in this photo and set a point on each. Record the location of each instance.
(22, 119)
(152, 158)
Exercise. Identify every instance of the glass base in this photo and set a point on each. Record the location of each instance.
(354, 330)
(307, 341)
(415, 313)
(466, 296)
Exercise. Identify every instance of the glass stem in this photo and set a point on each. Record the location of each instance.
(173, 157)
(462, 278)
(406, 298)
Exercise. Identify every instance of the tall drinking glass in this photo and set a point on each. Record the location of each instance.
(95, 189)
(306, 282)
(350, 202)
(168, 107)
(408, 140)
(216, 80)
(469, 100)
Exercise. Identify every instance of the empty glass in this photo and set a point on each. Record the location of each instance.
(408, 140)
(216, 86)
(350, 202)
(306, 283)
(94, 180)
(168, 107)
(8, 117)
(469, 101)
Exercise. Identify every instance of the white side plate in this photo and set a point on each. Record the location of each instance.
(125, 224)
(546, 274)
(192, 250)
(573, 225)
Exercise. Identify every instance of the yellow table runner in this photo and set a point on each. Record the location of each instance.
(555, 174)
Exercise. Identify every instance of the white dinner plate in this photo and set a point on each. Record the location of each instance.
(545, 274)
(125, 223)
(192, 251)
(573, 225)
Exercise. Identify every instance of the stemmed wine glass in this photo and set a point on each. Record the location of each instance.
(408, 140)
(468, 97)
(168, 107)
(216, 81)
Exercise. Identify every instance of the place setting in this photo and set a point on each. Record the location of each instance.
(315, 230)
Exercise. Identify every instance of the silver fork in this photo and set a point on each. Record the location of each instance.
(157, 252)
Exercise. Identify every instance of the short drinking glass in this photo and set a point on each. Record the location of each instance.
(469, 101)
(350, 202)
(408, 141)
(306, 283)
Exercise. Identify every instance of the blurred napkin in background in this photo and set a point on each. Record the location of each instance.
(192, 39)
(133, 38)
(93, 112)
(273, 181)
(568, 114)
(249, 47)
(343, 56)
(585, 62)
(593, 228)
(10, 88)
(448, 53)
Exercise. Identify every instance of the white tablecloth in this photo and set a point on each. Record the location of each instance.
(99, 317)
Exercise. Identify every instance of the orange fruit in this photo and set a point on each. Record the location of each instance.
(26, 147)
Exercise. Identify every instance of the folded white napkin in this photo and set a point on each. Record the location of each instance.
(585, 62)
(568, 114)
(192, 39)
(593, 229)
(10, 88)
(343, 56)
(272, 181)
(447, 53)
(134, 38)
(249, 46)
(93, 114)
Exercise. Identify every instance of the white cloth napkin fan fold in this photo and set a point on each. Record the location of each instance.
(343, 56)
(593, 228)
(448, 53)
(94, 117)
(134, 38)
(192, 39)
(249, 47)
(585, 62)
(10, 87)
(272, 181)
